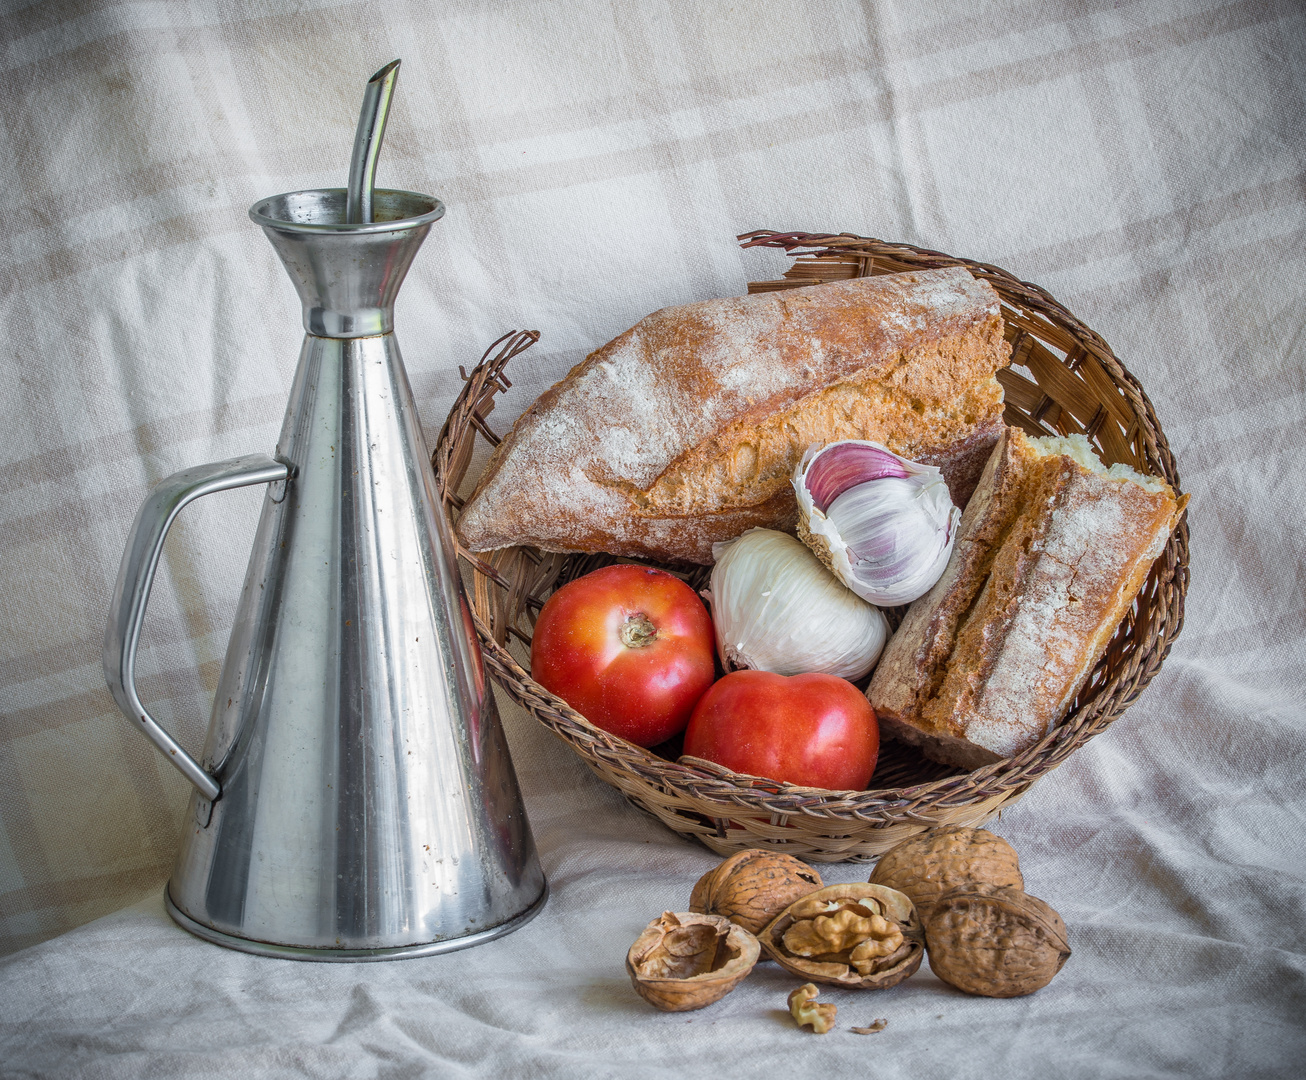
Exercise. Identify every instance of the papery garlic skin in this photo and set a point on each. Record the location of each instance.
(777, 609)
(883, 524)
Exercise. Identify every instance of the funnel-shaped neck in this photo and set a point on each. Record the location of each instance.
(347, 275)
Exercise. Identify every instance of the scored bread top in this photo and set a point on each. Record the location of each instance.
(685, 430)
(1051, 551)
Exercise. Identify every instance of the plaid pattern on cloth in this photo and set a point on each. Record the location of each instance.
(1143, 161)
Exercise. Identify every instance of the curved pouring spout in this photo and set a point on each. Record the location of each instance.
(368, 803)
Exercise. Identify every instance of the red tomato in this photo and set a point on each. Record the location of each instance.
(813, 730)
(628, 647)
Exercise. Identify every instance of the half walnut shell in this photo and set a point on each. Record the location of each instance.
(752, 887)
(996, 942)
(934, 862)
(686, 960)
(863, 937)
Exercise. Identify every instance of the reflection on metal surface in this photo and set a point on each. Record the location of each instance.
(402, 952)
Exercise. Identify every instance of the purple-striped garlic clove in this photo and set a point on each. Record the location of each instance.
(884, 525)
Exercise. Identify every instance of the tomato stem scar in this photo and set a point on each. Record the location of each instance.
(637, 631)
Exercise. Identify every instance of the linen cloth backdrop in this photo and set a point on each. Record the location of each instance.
(1145, 162)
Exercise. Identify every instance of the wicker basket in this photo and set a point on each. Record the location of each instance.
(1063, 379)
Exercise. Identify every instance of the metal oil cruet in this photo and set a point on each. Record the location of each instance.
(355, 799)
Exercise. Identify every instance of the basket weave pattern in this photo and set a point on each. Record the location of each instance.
(1063, 379)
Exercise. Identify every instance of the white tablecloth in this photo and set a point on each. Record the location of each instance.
(1185, 930)
(1143, 161)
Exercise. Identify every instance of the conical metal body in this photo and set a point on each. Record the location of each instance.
(368, 806)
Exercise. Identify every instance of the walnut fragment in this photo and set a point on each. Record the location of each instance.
(996, 942)
(864, 937)
(752, 887)
(807, 1012)
(687, 960)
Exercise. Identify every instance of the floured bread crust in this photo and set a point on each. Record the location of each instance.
(685, 430)
(1052, 550)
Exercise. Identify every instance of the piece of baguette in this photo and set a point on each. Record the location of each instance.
(685, 430)
(1052, 549)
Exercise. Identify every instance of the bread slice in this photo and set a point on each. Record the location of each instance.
(686, 429)
(1052, 549)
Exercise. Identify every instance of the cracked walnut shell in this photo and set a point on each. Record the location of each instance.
(937, 861)
(752, 887)
(864, 937)
(996, 942)
(687, 960)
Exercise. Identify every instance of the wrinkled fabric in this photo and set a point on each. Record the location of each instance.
(1143, 162)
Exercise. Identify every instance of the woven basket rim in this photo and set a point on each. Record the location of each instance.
(704, 785)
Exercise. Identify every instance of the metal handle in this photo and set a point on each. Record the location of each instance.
(136, 575)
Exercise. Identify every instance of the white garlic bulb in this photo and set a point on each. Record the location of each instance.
(777, 609)
(885, 525)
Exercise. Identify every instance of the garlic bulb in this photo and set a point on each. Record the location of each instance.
(777, 609)
(883, 524)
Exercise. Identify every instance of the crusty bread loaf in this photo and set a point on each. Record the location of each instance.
(1052, 549)
(685, 430)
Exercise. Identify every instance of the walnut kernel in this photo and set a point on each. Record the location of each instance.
(859, 936)
(866, 935)
(805, 1009)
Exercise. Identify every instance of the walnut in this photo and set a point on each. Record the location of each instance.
(939, 860)
(804, 1009)
(995, 941)
(752, 887)
(858, 936)
(686, 960)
